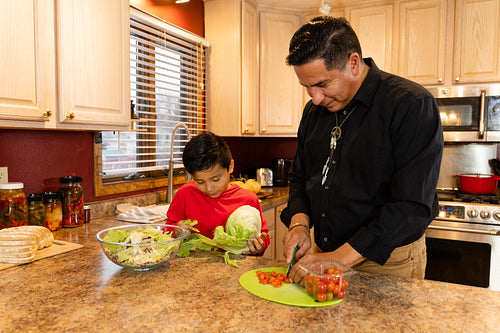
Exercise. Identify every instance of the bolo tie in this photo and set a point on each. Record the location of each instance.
(335, 135)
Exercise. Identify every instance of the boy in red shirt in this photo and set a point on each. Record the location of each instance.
(210, 198)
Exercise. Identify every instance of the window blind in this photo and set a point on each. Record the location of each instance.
(167, 82)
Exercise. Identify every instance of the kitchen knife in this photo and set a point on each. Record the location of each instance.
(292, 262)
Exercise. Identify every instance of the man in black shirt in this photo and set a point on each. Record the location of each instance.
(367, 162)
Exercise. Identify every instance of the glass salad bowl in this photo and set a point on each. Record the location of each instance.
(141, 247)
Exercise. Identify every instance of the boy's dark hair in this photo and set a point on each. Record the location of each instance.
(324, 37)
(204, 151)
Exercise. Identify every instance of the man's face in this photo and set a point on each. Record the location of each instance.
(332, 89)
(213, 181)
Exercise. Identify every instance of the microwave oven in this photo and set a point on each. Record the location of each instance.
(469, 113)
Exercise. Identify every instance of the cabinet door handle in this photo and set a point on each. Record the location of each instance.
(457, 79)
(47, 113)
(440, 80)
(70, 115)
(263, 130)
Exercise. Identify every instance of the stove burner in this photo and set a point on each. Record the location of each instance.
(457, 196)
(478, 198)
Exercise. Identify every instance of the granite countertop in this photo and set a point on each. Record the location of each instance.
(279, 195)
(82, 291)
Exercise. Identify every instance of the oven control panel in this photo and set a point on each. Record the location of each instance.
(469, 212)
(452, 212)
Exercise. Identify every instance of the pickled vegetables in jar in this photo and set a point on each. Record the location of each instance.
(13, 205)
(53, 211)
(72, 201)
(36, 210)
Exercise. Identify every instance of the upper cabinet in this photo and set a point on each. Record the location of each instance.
(65, 64)
(252, 92)
(232, 27)
(422, 41)
(477, 41)
(447, 42)
(280, 92)
(374, 26)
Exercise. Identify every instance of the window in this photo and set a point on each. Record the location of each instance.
(167, 82)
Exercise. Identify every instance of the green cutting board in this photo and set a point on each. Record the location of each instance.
(289, 293)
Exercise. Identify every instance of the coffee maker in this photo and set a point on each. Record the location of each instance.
(281, 167)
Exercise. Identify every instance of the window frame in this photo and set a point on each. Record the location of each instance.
(155, 179)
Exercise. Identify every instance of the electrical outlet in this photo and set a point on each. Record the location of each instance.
(4, 175)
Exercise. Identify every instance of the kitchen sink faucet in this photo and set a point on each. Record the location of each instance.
(170, 186)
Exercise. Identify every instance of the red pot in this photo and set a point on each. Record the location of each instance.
(476, 183)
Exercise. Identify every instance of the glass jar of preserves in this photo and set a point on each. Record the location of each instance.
(53, 211)
(36, 210)
(72, 201)
(13, 205)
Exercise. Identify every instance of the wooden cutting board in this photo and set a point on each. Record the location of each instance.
(57, 247)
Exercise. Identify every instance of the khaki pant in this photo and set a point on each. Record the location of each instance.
(407, 261)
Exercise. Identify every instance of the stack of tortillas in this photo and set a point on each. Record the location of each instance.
(19, 245)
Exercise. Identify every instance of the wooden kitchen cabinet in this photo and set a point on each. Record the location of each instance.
(270, 219)
(477, 41)
(280, 230)
(422, 40)
(252, 92)
(281, 99)
(232, 28)
(374, 25)
(447, 42)
(65, 64)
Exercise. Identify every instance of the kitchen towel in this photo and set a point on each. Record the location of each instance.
(149, 214)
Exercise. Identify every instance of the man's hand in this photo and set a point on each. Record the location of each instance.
(345, 255)
(297, 236)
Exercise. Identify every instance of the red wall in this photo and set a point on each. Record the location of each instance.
(187, 15)
(252, 153)
(39, 158)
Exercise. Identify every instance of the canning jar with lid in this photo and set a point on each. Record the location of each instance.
(53, 211)
(13, 205)
(36, 209)
(72, 201)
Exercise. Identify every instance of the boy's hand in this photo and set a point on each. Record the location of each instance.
(185, 226)
(257, 244)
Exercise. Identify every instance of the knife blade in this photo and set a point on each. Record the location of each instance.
(292, 262)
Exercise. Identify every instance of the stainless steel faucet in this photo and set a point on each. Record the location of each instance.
(170, 187)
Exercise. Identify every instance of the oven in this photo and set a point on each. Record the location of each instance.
(463, 241)
(469, 113)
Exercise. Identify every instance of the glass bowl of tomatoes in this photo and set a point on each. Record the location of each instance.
(326, 280)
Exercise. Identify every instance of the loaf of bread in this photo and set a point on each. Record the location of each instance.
(43, 235)
(19, 245)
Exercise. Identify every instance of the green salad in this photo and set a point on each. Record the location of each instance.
(142, 247)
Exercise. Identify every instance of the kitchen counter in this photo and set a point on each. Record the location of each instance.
(82, 291)
(278, 196)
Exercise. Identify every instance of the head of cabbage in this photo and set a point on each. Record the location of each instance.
(241, 226)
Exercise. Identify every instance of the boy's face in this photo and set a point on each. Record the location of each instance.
(213, 181)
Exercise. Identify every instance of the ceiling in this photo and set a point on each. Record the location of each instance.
(292, 4)
(301, 4)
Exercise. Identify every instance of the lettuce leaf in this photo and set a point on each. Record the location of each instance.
(196, 242)
(241, 226)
